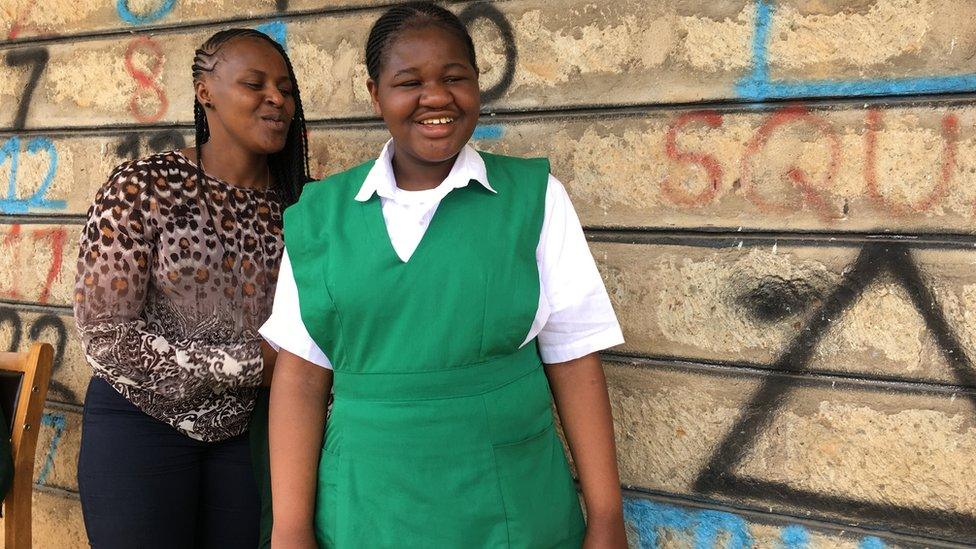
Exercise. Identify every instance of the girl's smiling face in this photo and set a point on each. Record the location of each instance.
(427, 93)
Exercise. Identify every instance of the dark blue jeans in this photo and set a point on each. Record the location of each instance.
(145, 485)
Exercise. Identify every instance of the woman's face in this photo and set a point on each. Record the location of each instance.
(251, 96)
(427, 94)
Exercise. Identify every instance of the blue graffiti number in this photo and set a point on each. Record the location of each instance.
(11, 151)
(56, 421)
(122, 6)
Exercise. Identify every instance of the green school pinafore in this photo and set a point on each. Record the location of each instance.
(441, 431)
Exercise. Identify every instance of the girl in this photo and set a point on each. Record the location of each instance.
(422, 288)
(178, 261)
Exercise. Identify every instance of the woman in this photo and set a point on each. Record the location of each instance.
(176, 272)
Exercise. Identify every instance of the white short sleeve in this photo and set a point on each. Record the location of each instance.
(575, 317)
(285, 329)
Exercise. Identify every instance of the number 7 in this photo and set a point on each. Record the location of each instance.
(38, 58)
(56, 421)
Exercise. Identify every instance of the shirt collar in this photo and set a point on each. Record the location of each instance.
(380, 180)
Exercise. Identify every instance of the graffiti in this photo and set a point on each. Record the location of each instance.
(17, 26)
(775, 298)
(131, 147)
(11, 151)
(705, 528)
(795, 536)
(14, 147)
(810, 193)
(896, 262)
(37, 59)
(950, 132)
(127, 15)
(146, 83)
(39, 330)
(488, 132)
(276, 30)
(56, 237)
(706, 161)
(649, 518)
(56, 421)
(799, 179)
(491, 14)
(758, 84)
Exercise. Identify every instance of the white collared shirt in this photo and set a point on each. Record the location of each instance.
(574, 317)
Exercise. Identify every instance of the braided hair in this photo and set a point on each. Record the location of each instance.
(412, 15)
(289, 166)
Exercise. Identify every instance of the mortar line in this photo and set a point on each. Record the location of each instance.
(43, 219)
(577, 112)
(705, 237)
(723, 237)
(64, 406)
(54, 490)
(849, 380)
(36, 307)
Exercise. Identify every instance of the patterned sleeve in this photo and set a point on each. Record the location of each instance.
(118, 251)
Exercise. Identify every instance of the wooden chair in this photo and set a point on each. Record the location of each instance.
(24, 379)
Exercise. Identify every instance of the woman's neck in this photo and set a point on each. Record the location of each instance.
(234, 165)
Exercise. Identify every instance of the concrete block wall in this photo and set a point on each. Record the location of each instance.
(779, 195)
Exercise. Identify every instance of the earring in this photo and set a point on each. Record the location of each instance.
(208, 104)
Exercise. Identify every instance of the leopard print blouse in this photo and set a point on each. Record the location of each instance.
(167, 315)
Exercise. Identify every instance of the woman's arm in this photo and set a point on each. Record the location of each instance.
(296, 422)
(579, 389)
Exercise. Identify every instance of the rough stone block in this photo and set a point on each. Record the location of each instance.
(896, 459)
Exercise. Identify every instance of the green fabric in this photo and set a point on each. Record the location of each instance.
(260, 461)
(441, 432)
(6, 457)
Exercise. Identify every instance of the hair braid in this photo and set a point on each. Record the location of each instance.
(201, 133)
(410, 16)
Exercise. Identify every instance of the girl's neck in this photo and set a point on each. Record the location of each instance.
(416, 175)
(233, 164)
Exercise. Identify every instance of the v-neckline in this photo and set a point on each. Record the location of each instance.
(374, 219)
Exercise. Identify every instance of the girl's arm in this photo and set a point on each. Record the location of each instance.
(296, 422)
(579, 389)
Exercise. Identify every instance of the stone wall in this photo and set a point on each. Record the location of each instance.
(779, 195)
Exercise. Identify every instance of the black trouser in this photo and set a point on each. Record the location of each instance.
(261, 458)
(145, 485)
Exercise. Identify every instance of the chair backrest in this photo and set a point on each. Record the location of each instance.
(24, 379)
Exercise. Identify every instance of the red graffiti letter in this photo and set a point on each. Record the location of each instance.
(950, 134)
(812, 193)
(708, 163)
